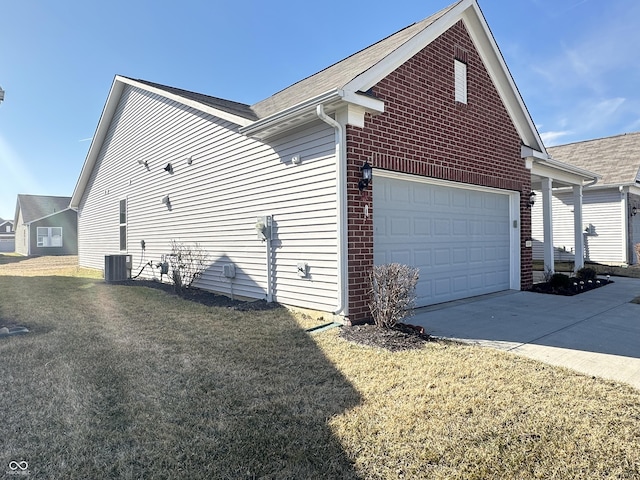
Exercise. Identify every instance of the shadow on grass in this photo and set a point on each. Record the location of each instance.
(128, 382)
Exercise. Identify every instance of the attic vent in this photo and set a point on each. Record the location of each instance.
(461, 54)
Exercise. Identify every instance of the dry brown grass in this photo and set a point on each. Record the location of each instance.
(453, 411)
(62, 266)
(130, 382)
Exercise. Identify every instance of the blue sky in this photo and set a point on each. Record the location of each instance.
(575, 63)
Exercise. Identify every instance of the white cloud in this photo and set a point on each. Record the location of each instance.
(550, 138)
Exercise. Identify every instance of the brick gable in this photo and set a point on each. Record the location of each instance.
(423, 131)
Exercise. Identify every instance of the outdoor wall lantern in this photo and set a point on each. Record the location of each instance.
(634, 211)
(532, 199)
(168, 168)
(367, 172)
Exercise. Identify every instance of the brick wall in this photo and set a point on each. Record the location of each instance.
(423, 131)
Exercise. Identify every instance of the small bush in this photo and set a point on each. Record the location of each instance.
(186, 264)
(586, 273)
(392, 293)
(559, 280)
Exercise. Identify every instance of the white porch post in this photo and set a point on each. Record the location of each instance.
(577, 227)
(547, 221)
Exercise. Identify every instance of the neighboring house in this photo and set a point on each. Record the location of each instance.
(432, 108)
(45, 225)
(611, 219)
(7, 236)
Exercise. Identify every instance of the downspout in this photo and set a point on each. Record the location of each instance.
(341, 207)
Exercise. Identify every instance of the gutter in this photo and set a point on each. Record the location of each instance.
(341, 207)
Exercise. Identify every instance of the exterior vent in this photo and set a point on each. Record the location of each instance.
(117, 268)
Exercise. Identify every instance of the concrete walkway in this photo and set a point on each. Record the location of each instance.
(596, 333)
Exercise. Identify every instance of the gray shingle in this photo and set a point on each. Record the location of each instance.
(616, 158)
(235, 108)
(34, 207)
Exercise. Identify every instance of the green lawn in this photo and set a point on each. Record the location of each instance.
(131, 382)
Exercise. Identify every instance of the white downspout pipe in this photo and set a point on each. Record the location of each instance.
(341, 192)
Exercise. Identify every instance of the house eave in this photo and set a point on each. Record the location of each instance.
(357, 105)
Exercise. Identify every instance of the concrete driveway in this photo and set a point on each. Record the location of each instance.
(596, 333)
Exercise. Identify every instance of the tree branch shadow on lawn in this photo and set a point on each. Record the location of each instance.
(131, 383)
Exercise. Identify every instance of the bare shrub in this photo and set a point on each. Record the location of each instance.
(186, 264)
(548, 273)
(393, 288)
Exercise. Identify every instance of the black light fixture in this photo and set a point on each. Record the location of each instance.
(634, 211)
(168, 168)
(532, 199)
(367, 172)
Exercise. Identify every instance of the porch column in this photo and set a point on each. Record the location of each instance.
(547, 222)
(577, 227)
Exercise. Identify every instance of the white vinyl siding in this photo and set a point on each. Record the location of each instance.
(461, 81)
(49, 237)
(601, 213)
(215, 200)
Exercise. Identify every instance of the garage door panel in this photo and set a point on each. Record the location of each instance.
(442, 226)
(400, 226)
(460, 227)
(460, 256)
(422, 227)
(459, 238)
(459, 199)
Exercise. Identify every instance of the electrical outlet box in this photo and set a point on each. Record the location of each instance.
(263, 227)
(229, 270)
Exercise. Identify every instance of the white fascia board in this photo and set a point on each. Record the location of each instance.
(108, 111)
(188, 102)
(563, 172)
(283, 115)
(364, 103)
(402, 54)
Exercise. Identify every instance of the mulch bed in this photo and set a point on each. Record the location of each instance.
(205, 297)
(577, 287)
(401, 337)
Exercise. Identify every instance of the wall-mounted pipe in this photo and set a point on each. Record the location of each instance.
(341, 307)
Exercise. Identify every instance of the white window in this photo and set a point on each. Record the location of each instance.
(123, 224)
(461, 81)
(49, 236)
(8, 228)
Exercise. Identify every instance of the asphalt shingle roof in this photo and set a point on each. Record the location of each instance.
(228, 106)
(339, 74)
(34, 207)
(616, 158)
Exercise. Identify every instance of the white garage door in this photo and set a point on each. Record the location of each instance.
(459, 238)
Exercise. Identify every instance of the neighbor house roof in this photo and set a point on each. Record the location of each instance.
(343, 84)
(35, 207)
(616, 158)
